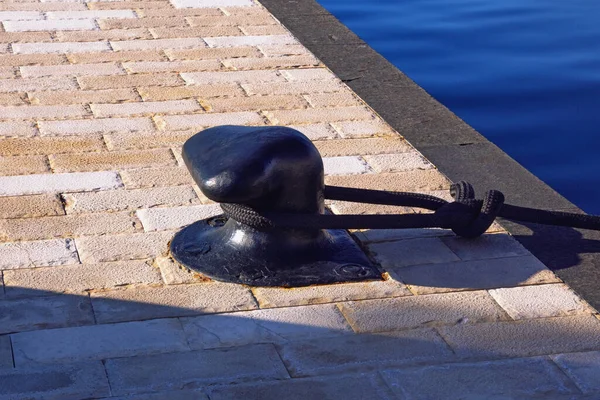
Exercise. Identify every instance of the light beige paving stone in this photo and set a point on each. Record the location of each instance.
(6, 72)
(196, 121)
(412, 252)
(83, 96)
(337, 99)
(316, 131)
(309, 74)
(171, 301)
(344, 165)
(55, 382)
(173, 66)
(252, 103)
(279, 88)
(42, 6)
(137, 246)
(23, 165)
(123, 81)
(409, 181)
(153, 177)
(540, 301)
(127, 5)
(116, 56)
(287, 117)
(278, 50)
(95, 126)
(486, 246)
(37, 253)
(64, 47)
(524, 338)
(53, 183)
(277, 325)
(173, 274)
(516, 379)
(82, 69)
(232, 20)
(398, 162)
(20, 15)
(162, 218)
(12, 99)
(269, 297)
(52, 112)
(6, 357)
(78, 278)
(356, 147)
(93, 36)
(582, 368)
(203, 78)
(233, 41)
(348, 387)
(166, 22)
(46, 25)
(175, 12)
(47, 83)
(146, 140)
(97, 342)
(174, 43)
(18, 315)
(419, 311)
(46, 145)
(16, 37)
(67, 226)
(201, 31)
(91, 14)
(476, 274)
(16, 128)
(30, 206)
(211, 3)
(388, 235)
(325, 356)
(118, 200)
(256, 30)
(183, 92)
(214, 53)
(108, 160)
(151, 107)
(195, 368)
(272, 63)
(347, 207)
(31, 59)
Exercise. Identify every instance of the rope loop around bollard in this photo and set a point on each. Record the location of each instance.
(466, 216)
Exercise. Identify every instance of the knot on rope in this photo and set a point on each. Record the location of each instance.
(467, 216)
(246, 215)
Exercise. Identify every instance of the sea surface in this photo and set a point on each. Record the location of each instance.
(524, 73)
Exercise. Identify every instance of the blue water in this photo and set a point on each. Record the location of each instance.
(524, 73)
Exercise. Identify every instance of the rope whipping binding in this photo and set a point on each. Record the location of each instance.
(466, 216)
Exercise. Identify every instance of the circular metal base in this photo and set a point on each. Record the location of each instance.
(231, 252)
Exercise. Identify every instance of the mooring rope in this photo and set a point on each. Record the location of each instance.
(465, 216)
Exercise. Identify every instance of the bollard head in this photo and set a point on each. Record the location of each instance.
(273, 169)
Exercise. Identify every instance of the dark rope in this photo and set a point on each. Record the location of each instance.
(466, 216)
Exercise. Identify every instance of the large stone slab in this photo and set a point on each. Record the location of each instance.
(583, 368)
(6, 358)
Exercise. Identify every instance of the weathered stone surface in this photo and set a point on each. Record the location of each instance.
(44, 313)
(348, 165)
(6, 358)
(514, 379)
(54, 183)
(39, 253)
(367, 351)
(139, 246)
(30, 206)
(170, 395)
(195, 368)
(277, 325)
(412, 252)
(160, 219)
(60, 382)
(486, 246)
(583, 368)
(98, 342)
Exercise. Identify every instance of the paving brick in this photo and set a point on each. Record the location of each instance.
(137, 246)
(356, 129)
(412, 252)
(524, 338)
(344, 165)
(196, 121)
(11, 99)
(63, 111)
(23, 165)
(57, 382)
(153, 177)
(174, 274)
(487, 246)
(184, 92)
(419, 311)
(160, 219)
(31, 59)
(172, 66)
(113, 34)
(37, 254)
(6, 72)
(330, 355)
(20, 15)
(201, 31)
(211, 3)
(477, 274)
(338, 99)
(181, 12)
(282, 297)
(43, 6)
(46, 25)
(116, 56)
(200, 78)
(398, 162)
(91, 14)
(208, 54)
(287, 117)
(118, 81)
(174, 43)
(255, 103)
(355, 147)
(409, 181)
(118, 200)
(309, 74)
(277, 325)
(110, 160)
(191, 369)
(47, 83)
(541, 301)
(185, 394)
(279, 50)
(46, 145)
(515, 379)
(316, 131)
(83, 96)
(175, 106)
(582, 368)
(15, 37)
(95, 126)
(98, 342)
(60, 70)
(78, 278)
(349, 387)
(233, 20)
(273, 63)
(232, 41)
(387, 235)
(171, 301)
(161, 22)
(147, 140)
(6, 357)
(67, 226)
(278, 88)
(255, 30)
(127, 5)
(53, 183)
(30, 206)
(347, 207)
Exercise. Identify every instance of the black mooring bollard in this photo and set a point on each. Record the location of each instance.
(271, 169)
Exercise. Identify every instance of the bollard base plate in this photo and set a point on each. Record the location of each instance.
(227, 251)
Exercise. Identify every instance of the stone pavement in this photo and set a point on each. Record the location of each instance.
(96, 100)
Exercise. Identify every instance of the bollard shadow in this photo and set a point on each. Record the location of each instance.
(291, 352)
